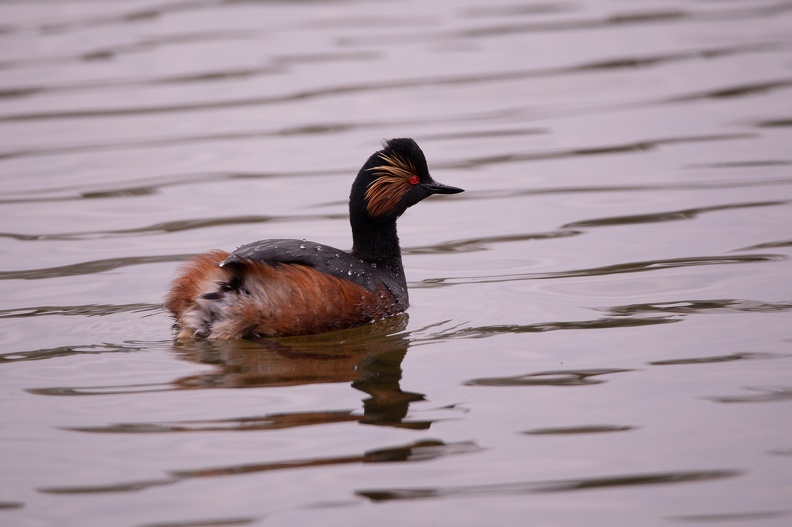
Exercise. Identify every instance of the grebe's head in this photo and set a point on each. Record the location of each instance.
(392, 180)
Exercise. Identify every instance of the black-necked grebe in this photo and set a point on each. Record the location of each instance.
(280, 288)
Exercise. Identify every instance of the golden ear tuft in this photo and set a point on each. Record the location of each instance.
(392, 183)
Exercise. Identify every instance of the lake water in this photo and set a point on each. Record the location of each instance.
(601, 325)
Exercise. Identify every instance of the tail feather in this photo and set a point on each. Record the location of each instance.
(198, 280)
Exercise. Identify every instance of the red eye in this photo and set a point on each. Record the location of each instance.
(414, 179)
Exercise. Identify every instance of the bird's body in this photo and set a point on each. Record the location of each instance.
(277, 288)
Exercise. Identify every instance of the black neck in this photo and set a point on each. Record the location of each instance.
(377, 242)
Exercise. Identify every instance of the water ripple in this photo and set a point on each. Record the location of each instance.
(739, 90)
(750, 517)
(126, 389)
(548, 378)
(481, 244)
(713, 306)
(171, 226)
(581, 429)
(627, 19)
(768, 245)
(253, 423)
(624, 268)
(743, 164)
(543, 327)
(88, 310)
(91, 267)
(624, 148)
(774, 123)
(146, 44)
(124, 17)
(764, 395)
(212, 522)
(417, 451)
(685, 214)
(715, 359)
(532, 9)
(169, 141)
(278, 65)
(145, 186)
(615, 20)
(66, 351)
(530, 487)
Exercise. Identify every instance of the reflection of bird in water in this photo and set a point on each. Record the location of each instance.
(368, 357)
(278, 288)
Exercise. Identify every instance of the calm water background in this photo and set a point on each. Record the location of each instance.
(600, 331)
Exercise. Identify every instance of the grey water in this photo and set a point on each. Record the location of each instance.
(601, 325)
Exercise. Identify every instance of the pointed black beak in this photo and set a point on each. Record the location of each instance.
(438, 188)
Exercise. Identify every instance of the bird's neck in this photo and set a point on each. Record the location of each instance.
(377, 242)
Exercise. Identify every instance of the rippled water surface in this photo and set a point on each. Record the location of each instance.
(601, 325)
